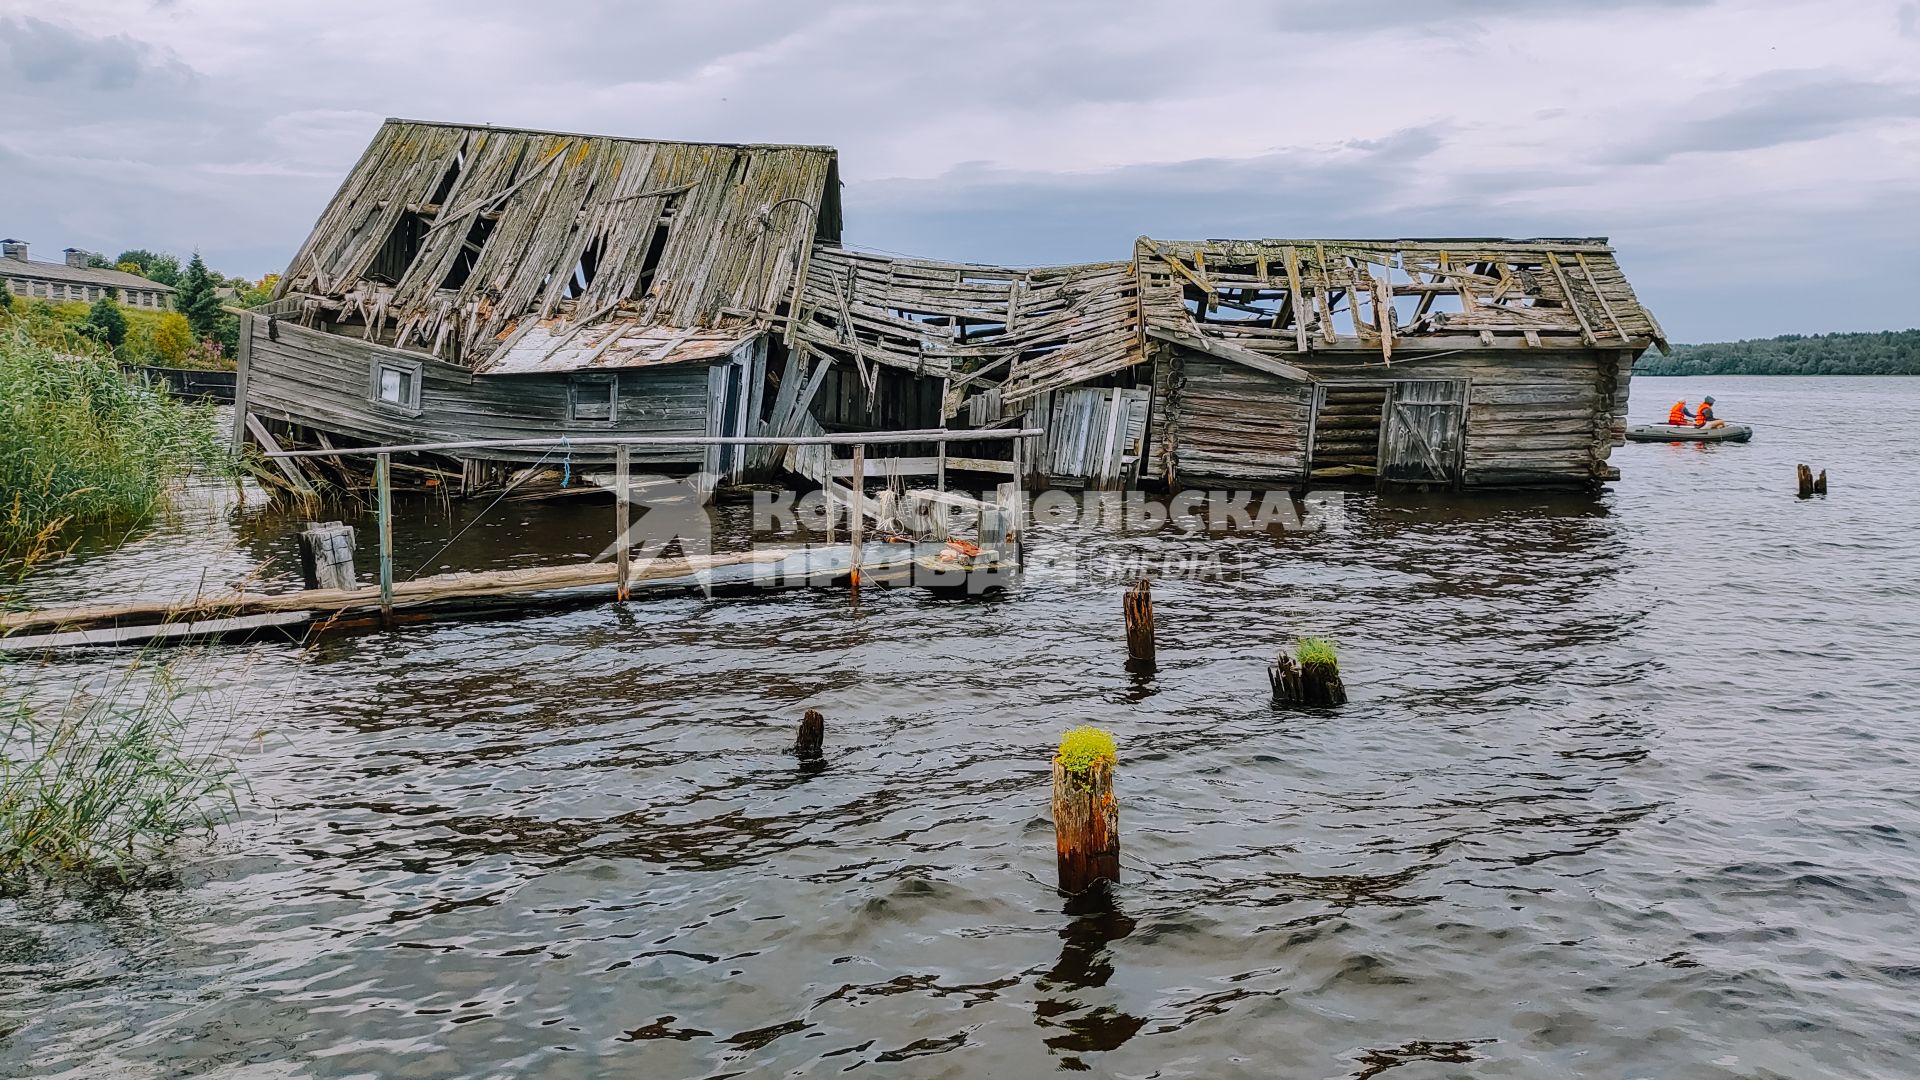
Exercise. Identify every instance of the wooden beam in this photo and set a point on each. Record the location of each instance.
(1235, 353)
(1586, 332)
(1299, 303)
(1605, 305)
(383, 485)
(292, 470)
(240, 381)
(920, 466)
(621, 515)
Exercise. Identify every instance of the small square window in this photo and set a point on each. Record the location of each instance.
(592, 397)
(396, 385)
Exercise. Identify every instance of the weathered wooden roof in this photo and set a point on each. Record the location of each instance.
(1014, 331)
(462, 240)
(1387, 296)
(555, 346)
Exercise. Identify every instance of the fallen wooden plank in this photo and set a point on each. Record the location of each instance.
(294, 476)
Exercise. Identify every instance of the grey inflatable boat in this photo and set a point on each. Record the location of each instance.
(1689, 433)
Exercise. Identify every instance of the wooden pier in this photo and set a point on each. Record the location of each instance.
(936, 563)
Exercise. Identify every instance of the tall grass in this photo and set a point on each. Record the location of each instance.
(98, 786)
(84, 441)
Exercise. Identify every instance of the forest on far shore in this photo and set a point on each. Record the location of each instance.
(1888, 352)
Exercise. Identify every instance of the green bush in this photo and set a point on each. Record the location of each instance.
(83, 440)
(105, 323)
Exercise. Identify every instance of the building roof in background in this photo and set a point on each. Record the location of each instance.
(469, 239)
(77, 275)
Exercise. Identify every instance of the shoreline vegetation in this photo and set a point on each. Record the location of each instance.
(1887, 352)
(96, 789)
(84, 441)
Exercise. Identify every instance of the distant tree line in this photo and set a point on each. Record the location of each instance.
(1888, 352)
(198, 332)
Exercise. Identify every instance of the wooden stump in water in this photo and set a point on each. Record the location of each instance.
(1313, 681)
(810, 746)
(1820, 483)
(1138, 606)
(326, 555)
(1805, 476)
(1086, 819)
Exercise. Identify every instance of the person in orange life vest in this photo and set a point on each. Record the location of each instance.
(1704, 418)
(1679, 415)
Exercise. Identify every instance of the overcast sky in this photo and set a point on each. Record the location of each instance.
(1756, 162)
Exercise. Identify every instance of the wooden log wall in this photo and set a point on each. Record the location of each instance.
(1548, 417)
(1236, 425)
(324, 381)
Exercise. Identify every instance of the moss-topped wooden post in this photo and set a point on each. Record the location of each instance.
(1086, 819)
(1310, 677)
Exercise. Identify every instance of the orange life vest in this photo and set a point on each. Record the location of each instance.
(1677, 416)
(1702, 415)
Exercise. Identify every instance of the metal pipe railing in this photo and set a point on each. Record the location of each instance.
(861, 438)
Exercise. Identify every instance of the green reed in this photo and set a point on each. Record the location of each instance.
(98, 786)
(85, 441)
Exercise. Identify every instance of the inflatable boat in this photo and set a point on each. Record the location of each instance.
(1689, 433)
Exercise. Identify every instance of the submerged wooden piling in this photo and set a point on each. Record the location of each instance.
(1805, 476)
(1086, 819)
(383, 482)
(1138, 607)
(1820, 483)
(1313, 680)
(326, 555)
(810, 746)
(856, 528)
(622, 493)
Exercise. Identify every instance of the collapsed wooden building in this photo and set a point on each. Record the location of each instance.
(484, 283)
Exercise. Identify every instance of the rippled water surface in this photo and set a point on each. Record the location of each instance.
(1627, 788)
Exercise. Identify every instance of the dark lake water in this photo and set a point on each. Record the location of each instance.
(1628, 787)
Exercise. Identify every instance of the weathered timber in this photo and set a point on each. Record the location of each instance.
(326, 555)
(1086, 827)
(427, 592)
(1138, 608)
(1811, 485)
(1312, 683)
(809, 746)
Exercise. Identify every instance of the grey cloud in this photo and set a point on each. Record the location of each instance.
(1775, 109)
(1674, 254)
(983, 214)
(34, 51)
(1466, 15)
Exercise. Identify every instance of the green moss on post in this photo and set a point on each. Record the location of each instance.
(1310, 677)
(1086, 819)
